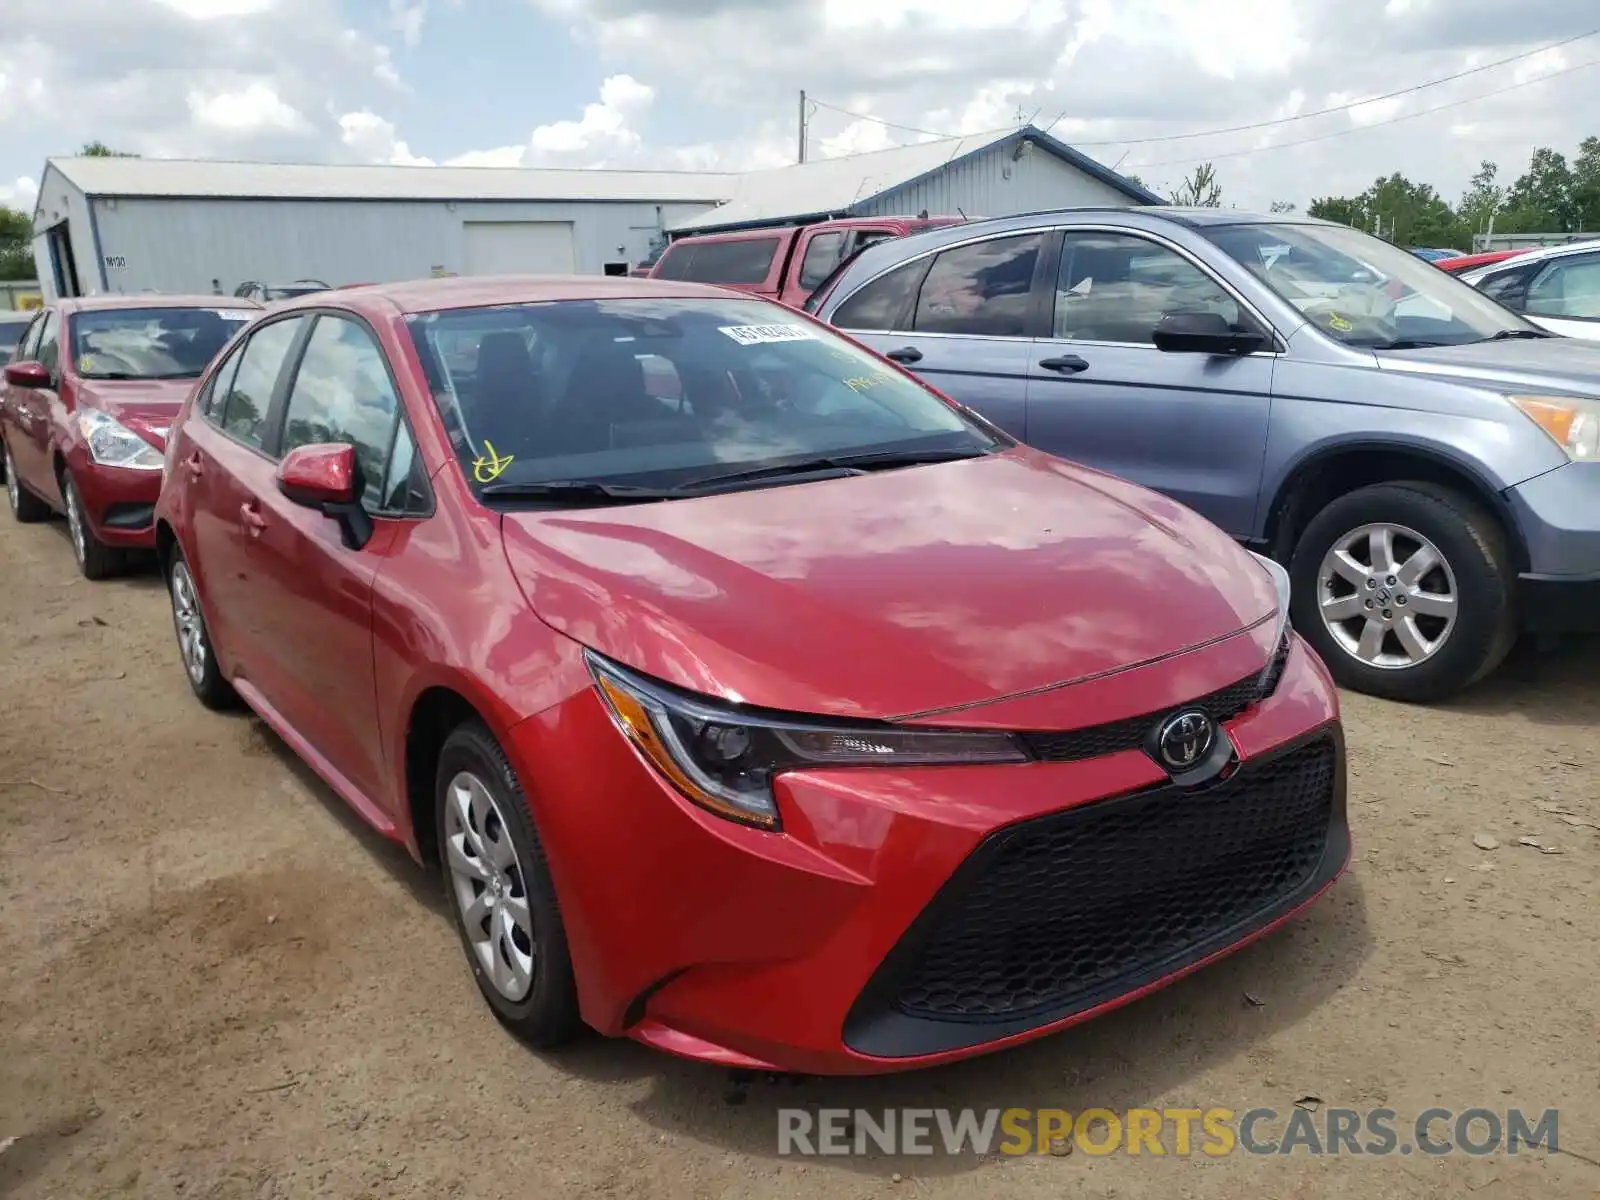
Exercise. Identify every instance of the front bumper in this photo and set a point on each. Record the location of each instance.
(120, 503)
(801, 951)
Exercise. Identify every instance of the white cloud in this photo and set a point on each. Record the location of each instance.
(406, 18)
(20, 193)
(374, 139)
(251, 109)
(212, 10)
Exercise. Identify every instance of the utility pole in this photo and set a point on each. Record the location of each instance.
(802, 125)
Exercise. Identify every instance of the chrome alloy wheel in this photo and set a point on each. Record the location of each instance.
(1387, 596)
(80, 543)
(489, 886)
(191, 628)
(13, 488)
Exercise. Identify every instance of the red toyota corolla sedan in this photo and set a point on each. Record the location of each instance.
(758, 702)
(84, 411)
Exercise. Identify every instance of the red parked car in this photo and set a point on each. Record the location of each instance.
(84, 412)
(1466, 262)
(793, 717)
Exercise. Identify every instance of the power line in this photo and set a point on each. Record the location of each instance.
(1337, 108)
(1323, 137)
(1256, 125)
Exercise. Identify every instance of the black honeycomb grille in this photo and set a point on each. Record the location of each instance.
(1067, 905)
(1224, 704)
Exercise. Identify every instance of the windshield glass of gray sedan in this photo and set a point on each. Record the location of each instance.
(1363, 291)
(666, 392)
(150, 343)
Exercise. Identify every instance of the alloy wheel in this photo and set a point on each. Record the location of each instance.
(489, 886)
(1387, 596)
(80, 545)
(191, 629)
(13, 488)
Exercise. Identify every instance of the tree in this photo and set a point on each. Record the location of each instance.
(1482, 199)
(101, 150)
(1346, 210)
(1283, 206)
(16, 245)
(1407, 213)
(1541, 200)
(1586, 185)
(1199, 190)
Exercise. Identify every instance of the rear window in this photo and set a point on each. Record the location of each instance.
(151, 343)
(742, 260)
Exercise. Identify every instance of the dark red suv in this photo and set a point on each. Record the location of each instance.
(757, 702)
(85, 406)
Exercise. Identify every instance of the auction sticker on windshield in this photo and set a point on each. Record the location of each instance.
(760, 335)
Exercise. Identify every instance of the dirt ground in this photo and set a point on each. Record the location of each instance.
(215, 982)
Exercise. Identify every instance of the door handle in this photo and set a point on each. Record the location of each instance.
(195, 464)
(1066, 364)
(251, 518)
(906, 354)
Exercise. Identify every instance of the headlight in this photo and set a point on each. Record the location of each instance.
(113, 444)
(1573, 422)
(1280, 629)
(724, 760)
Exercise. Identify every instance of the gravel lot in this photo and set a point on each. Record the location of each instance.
(215, 982)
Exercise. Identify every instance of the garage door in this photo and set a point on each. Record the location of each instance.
(520, 248)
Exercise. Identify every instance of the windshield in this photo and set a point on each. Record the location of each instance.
(1363, 291)
(151, 343)
(660, 392)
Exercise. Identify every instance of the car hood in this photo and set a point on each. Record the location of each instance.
(893, 593)
(147, 406)
(1559, 363)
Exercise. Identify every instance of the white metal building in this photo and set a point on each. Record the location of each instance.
(133, 224)
(984, 175)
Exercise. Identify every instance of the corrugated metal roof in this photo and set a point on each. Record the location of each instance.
(830, 186)
(301, 181)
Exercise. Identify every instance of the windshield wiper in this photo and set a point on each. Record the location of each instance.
(1506, 335)
(588, 491)
(1406, 344)
(840, 465)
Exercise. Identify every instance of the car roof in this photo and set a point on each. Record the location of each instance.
(482, 291)
(152, 300)
(1545, 253)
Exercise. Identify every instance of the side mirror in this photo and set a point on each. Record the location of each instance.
(1204, 333)
(28, 375)
(328, 478)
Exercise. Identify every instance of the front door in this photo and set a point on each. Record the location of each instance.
(32, 412)
(962, 319)
(1099, 392)
(317, 623)
(13, 416)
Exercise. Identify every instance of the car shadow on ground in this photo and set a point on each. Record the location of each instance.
(1557, 685)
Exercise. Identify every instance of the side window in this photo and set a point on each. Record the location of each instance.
(49, 352)
(739, 260)
(209, 401)
(675, 262)
(1568, 288)
(244, 408)
(342, 393)
(405, 484)
(1507, 287)
(981, 289)
(882, 304)
(28, 346)
(1116, 288)
(822, 254)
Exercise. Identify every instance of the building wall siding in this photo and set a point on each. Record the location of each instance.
(183, 245)
(994, 184)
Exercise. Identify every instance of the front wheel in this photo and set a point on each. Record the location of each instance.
(500, 891)
(95, 559)
(1405, 590)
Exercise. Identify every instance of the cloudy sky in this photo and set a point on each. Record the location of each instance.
(715, 83)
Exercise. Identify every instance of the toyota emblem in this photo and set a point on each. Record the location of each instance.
(1184, 739)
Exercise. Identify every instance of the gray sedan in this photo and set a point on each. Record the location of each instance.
(1421, 457)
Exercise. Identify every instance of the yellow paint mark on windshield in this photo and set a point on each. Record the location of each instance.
(1339, 323)
(487, 467)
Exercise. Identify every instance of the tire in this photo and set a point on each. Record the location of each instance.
(25, 506)
(95, 559)
(201, 670)
(1476, 567)
(478, 807)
